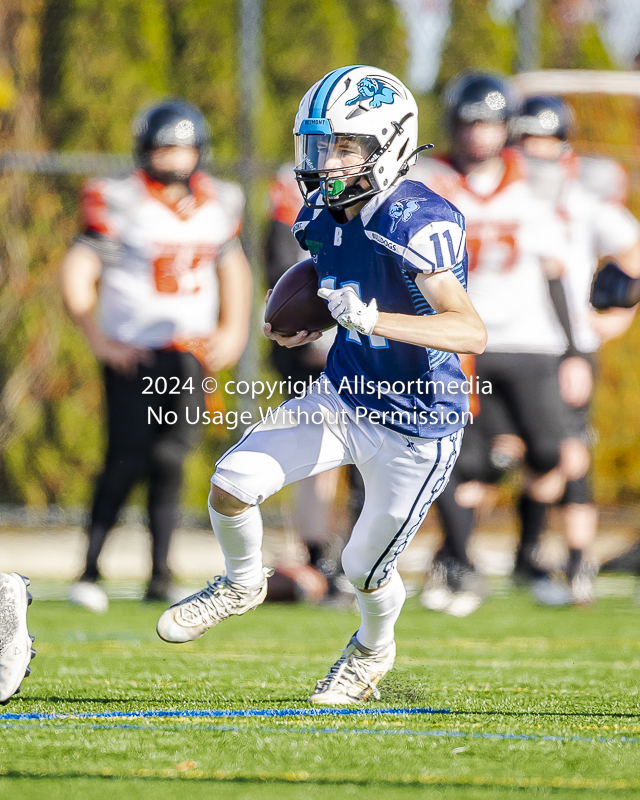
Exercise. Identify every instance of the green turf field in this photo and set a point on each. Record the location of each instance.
(510, 670)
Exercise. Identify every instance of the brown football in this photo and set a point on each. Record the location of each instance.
(295, 583)
(294, 304)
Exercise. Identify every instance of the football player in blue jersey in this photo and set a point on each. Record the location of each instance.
(391, 262)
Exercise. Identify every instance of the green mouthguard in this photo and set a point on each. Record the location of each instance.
(335, 187)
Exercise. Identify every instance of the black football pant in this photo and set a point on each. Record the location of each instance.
(525, 400)
(142, 449)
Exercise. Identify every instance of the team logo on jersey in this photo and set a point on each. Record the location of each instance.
(402, 211)
(375, 90)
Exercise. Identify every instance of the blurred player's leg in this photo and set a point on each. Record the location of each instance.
(579, 514)
(581, 525)
(15, 642)
(530, 386)
(453, 585)
(580, 522)
(168, 451)
(314, 502)
(126, 462)
(314, 514)
(532, 515)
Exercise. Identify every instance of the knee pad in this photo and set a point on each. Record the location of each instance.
(358, 563)
(578, 492)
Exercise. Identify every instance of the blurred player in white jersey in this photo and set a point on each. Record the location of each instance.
(587, 195)
(15, 641)
(158, 282)
(516, 246)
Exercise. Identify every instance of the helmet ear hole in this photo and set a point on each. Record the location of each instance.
(402, 150)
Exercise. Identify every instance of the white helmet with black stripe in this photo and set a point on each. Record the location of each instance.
(356, 112)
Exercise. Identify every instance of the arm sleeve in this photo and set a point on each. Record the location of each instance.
(229, 247)
(108, 250)
(559, 301)
(437, 247)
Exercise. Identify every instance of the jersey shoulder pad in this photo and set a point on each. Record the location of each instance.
(102, 200)
(436, 173)
(230, 197)
(423, 230)
(605, 177)
(227, 193)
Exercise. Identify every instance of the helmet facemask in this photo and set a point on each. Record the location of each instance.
(340, 166)
(342, 186)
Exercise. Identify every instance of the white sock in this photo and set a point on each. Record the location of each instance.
(379, 611)
(240, 538)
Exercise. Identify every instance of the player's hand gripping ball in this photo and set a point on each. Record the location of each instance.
(294, 304)
(349, 310)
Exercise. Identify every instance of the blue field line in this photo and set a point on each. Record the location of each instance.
(527, 737)
(242, 712)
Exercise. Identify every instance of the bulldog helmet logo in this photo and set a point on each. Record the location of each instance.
(375, 90)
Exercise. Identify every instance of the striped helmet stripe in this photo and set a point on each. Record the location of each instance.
(323, 92)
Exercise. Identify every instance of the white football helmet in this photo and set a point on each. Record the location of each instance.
(358, 113)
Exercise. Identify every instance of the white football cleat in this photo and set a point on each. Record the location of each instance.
(15, 642)
(90, 596)
(192, 617)
(463, 603)
(582, 585)
(355, 675)
(455, 589)
(436, 595)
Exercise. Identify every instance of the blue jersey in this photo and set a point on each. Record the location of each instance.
(400, 233)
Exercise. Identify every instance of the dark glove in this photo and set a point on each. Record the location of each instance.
(613, 288)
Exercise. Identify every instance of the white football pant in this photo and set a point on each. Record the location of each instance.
(402, 474)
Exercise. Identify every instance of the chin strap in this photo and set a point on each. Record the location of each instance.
(405, 167)
(169, 178)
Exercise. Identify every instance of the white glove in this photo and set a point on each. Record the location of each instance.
(349, 310)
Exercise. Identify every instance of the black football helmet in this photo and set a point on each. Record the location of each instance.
(545, 116)
(477, 97)
(170, 123)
